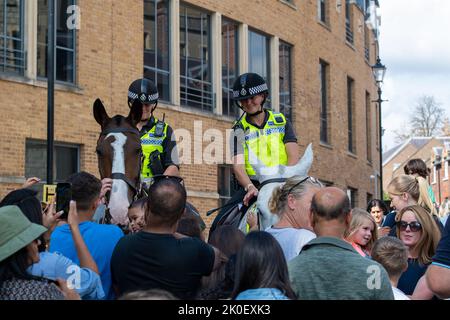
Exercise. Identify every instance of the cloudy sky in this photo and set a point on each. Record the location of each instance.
(415, 47)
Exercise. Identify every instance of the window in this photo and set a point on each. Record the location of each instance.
(348, 23)
(156, 45)
(230, 65)
(353, 197)
(369, 197)
(323, 70)
(259, 56)
(350, 111)
(66, 160)
(366, 43)
(64, 38)
(368, 128)
(446, 170)
(225, 184)
(321, 10)
(285, 80)
(12, 53)
(195, 68)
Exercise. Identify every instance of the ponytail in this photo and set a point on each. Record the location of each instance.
(424, 199)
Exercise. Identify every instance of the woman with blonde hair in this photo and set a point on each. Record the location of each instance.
(292, 202)
(420, 233)
(362, 232)
(407, 190)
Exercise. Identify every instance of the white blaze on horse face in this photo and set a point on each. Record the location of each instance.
(118, 201)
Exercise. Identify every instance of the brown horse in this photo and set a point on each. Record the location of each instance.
(119, 157)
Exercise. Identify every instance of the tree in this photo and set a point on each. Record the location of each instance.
(426, 120)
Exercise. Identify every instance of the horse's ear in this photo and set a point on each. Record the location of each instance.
(304, 164)
(100, 114)
(135, 114)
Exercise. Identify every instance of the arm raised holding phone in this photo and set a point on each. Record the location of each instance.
(86, 260)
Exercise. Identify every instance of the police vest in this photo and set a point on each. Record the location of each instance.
(266, 144)
(150, 143)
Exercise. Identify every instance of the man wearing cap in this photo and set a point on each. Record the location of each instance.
(267, 134)
(158, 147)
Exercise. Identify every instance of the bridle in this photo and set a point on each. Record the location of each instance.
(135, 187)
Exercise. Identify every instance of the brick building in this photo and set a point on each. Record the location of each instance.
(316, 56)
(420, 148)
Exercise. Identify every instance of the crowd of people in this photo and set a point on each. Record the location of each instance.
(319, 249)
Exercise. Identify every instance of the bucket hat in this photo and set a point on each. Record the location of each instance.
(16, 231)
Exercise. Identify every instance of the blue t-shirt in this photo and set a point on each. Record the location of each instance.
(53, 266)
(100, 240)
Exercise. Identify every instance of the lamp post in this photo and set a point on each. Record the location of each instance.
(50, 89)
(379, 70)
(438, 164)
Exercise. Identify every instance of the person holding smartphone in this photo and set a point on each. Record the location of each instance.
(53, 266)
(100, 239)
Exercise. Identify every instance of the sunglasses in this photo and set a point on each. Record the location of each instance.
(413, 226)
(314, 180)
(160, 177)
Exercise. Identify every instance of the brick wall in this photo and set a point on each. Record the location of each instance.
(110, 56)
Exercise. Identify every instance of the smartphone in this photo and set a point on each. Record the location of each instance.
(63, 197)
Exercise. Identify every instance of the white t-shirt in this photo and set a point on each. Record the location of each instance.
(399, 295)
(291, 240)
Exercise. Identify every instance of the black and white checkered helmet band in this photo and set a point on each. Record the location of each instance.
(143, 97)
(250, 91)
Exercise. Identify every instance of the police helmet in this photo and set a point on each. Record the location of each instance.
(248, 85)
(144, 90)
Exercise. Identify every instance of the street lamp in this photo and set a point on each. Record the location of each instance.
(379, 70)
(438, 164)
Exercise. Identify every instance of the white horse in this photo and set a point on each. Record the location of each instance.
(272, 177)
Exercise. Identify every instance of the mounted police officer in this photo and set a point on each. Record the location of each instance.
(268, 134)
(158, 148)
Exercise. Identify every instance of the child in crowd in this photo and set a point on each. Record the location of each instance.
(362, 232)
(392, 254)
(136, 214)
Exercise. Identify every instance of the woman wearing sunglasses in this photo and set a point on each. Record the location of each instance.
(419, 232)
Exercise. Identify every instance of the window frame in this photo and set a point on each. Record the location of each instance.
(184, 79)
(284, 106)
(324, 114)
(322, 14)
(40, 143)
(229, 109)
(155, 69)
(74, 50)
(352, 194)
(368, 127)
(268, 58)
(350, 116)
(5, 38)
